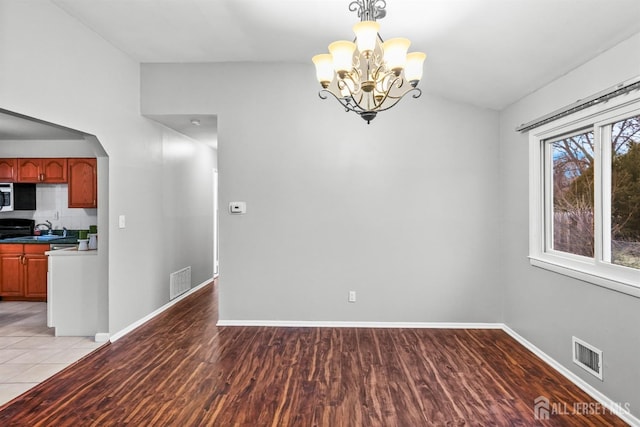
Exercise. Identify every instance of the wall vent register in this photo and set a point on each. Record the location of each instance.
(587, 357)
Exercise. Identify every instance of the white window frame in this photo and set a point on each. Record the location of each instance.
(593, 270)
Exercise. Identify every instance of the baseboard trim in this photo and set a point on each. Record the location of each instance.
(341, 324)
(115, 337)
(612, 406)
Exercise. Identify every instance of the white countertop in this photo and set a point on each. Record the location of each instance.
(71, 252)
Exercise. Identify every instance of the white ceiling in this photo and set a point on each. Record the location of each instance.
(488, 53)
(200, 127)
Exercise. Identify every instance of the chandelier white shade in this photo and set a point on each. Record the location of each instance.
(369, 75)
(366, 35)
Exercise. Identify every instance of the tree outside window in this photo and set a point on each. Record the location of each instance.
(572, 175)
(625, 192)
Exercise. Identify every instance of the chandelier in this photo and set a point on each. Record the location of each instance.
(369, 75)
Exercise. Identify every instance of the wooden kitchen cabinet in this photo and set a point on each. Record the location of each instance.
(45, 170)
(7, 170)
(11, 270)
(23, 271)
(83, 183)
(35, 271)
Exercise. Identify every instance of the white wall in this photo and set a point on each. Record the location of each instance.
(187, 205)
(56, 70)
(403, 210)
(544, 307)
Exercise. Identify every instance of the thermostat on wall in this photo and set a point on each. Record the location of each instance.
(238, 208)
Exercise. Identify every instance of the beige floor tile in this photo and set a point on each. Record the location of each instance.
(46, 342)
(68, 356)
(28, 331)
(8, 354)
(6, 341)
(10, 391)
(37, 373)
(29, 351)
(88, 343)
(9, 371)
(33, 356)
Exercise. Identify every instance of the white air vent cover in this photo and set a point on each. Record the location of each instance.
(587, 357)
(179, 282)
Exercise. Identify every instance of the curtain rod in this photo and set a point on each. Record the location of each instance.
(602, 96)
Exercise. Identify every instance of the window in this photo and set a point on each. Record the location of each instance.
(585, 195)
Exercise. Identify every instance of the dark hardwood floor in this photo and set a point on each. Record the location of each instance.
(181, 370)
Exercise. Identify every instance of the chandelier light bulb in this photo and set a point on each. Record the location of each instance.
(342, 54)
(366, 36)
(324, 68)
(395, 53)
(413, 69)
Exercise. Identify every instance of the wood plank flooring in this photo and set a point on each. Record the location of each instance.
(181, 370)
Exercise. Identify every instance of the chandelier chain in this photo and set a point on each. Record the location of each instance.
(369, 10)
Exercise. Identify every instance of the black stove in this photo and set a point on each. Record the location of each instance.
(16, 227)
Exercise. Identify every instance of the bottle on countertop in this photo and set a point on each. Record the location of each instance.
(93, 241)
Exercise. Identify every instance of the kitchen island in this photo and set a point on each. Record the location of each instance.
(51, 268)
(73, 295)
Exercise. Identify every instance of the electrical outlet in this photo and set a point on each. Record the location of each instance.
(352, 296)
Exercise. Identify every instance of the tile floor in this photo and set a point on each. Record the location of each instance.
(29, 353)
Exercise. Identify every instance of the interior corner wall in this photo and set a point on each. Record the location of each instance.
(547, 308)
(57, 70)
(402, 210)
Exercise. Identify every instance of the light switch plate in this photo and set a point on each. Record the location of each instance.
(122, 223)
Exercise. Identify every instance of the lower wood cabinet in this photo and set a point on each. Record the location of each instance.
(23, 271)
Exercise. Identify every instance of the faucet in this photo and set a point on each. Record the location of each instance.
(46, 224)
(64, 231)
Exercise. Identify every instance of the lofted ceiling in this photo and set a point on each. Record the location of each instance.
(488, 53)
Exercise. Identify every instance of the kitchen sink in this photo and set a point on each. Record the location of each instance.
(45, 237)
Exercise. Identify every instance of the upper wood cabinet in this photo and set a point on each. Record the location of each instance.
(42, 170)
(7, 170)
(83, 183)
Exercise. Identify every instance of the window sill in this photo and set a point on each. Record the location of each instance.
(584, 275)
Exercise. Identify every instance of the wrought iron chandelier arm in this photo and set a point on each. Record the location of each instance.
(398, 98)
(344, 102)
(355, 77)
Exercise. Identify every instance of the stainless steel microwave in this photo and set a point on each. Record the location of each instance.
(18, 197)
(6, 197)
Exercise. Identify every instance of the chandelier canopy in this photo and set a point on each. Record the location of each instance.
(369, 75)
